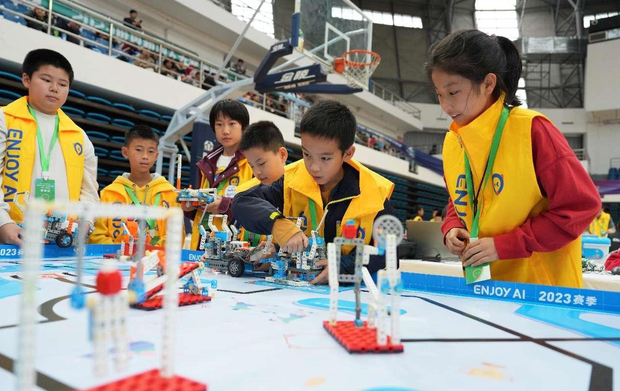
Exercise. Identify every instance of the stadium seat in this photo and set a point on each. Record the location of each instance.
(101, 172)
(122, 123)
(73, 112)
(116, 155)
(96, 117)
(99, 100)
(10, 76)
(9, 95)
(96, 135)
(77, 94)
(166, 118)
(123, 106)
(149, 113)
(120, 140)
(115, 173)
(101, 151)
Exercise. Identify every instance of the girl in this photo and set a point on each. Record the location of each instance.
(514, 182)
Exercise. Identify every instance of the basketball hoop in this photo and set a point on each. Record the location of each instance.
(357, 66)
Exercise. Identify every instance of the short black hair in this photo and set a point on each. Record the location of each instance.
(141, 131)
(133, 11)
(262, 134)
(230, 108)
(331, 120)
(37, 58)
(240, 60)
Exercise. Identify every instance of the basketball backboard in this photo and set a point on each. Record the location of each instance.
(329, 28)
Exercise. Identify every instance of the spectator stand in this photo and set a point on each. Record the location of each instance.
(105, 122)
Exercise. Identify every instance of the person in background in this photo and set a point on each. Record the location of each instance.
(67, 30)
(419, 214)
(602, 225)
(436, 215)
(132, 21)
(40, 15)
(239, 67)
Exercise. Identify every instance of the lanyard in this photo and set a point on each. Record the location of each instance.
(474, 197)
(45, 159)
(312, 208)
(134, 199)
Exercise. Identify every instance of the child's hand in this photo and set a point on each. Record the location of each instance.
(11, 233)
(480, 252)
(214, 207)
(323, 277)
(297, 242)
(455, 240)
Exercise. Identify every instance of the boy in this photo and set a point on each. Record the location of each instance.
(224, 168)
(31, 162)
(138, 186)
(263, 146)
(327, 179)
(419, 214)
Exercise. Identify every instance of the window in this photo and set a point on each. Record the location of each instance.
(587, 20)
(521, 93)
(497, 17)
(379, 17)
(244, 9)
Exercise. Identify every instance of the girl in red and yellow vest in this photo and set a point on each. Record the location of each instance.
(33, 165)
(510, 173)
(225, 168)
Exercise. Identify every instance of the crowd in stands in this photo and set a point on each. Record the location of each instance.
(79, 34)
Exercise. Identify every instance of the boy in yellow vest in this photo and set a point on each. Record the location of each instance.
(43, 153)
(515, 185)
(224, 168)
(138, 187)
(419, 214)
(602, 225)
(327, 180)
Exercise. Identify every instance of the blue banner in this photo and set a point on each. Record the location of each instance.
(524, 293)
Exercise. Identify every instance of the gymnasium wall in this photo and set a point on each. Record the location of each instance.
(602, 76)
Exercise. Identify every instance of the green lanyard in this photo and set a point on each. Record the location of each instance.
(312, 208)
(45, 159)
(150, 222)
(474, 197)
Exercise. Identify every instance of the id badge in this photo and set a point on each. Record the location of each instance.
(45, 189)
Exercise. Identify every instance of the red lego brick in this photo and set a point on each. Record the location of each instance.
(109, 283)
(151, 381)
(359, 339)
(349, 231)
(156, 302)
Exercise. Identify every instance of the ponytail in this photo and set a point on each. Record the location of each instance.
(473, 54)
(512, 73)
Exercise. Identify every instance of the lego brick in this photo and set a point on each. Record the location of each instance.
(151, 381)
(359, 339)
(156, 302)
(184, 269)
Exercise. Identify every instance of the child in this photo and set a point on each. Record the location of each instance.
(436, 215)
(514, 182)
(602, 225)
(31, 162)
(225, 168)
(138, 186)
(419, 211)
(263, 146)
(328, 181)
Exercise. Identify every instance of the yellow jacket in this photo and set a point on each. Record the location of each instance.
(511, 197)
(20, 154)
(110, 231)
(600, 225)
(300, 188)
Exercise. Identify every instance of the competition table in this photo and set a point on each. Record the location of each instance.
(255, 335)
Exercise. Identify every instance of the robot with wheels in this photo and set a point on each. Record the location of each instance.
(299, 268)
(221, 251)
